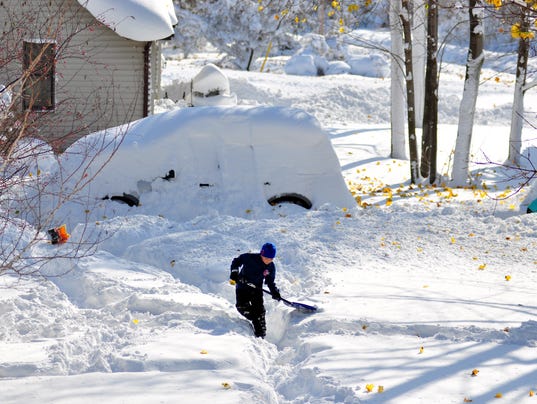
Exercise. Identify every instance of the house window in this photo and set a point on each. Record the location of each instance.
(39, 71)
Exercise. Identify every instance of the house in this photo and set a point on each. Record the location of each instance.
(78, 66)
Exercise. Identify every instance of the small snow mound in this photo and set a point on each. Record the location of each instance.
(211, 87)
(369, 66)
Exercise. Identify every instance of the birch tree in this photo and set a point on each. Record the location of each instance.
(406, 9)
(474, 62)
(397, 84)
(520, 30)
(419, 55)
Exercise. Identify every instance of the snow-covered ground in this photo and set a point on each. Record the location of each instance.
(425, 294)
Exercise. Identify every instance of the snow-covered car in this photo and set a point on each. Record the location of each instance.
(199, 160)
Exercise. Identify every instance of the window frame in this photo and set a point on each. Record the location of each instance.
(39, 85)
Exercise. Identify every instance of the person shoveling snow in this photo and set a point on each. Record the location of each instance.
(248, 272)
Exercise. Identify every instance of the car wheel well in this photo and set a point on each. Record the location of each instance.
(294, 198)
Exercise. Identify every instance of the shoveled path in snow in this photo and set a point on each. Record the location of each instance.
(135, 311)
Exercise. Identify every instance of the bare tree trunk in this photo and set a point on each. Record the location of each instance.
(320, 13)
(461, 161)
(517, 120)
(430, 115)
(397, 85)
(250, 57)
(411, 110)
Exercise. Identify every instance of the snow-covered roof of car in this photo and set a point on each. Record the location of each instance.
(139, 20)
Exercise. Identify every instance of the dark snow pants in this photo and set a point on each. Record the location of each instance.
(250, 305)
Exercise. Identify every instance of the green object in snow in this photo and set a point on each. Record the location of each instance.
(532, 207)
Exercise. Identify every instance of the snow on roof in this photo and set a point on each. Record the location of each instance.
(139, 20)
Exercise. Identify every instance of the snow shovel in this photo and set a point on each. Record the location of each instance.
(303, 308)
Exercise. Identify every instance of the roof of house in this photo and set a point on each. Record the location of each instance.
(139, 20)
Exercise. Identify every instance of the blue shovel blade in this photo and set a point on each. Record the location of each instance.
(304, 308)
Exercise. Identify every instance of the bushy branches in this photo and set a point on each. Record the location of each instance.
(242, 28)
(33, 185)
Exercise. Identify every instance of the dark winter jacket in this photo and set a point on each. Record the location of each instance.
(253, 270)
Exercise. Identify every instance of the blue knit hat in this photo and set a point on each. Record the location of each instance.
(268, 250)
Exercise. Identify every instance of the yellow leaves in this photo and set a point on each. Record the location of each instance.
(531, 393)
(475, 372)
(135, 321)
(498, 395)
(507, 278)
(516, 32)
(370, 387)
(453, 240)
(203, 352)
(482, 267)
(387, 190)
(335, 4)
(495, 3)
(226, 385)
(353, 8)
(421, 350)
(367, 189)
